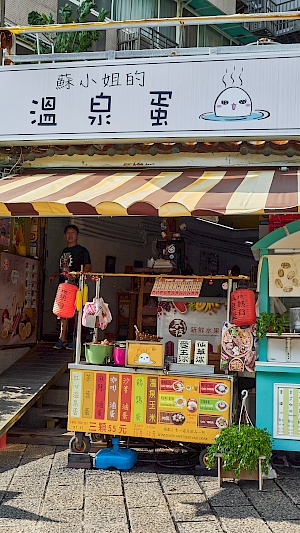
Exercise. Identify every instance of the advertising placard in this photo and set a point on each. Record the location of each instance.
(190, 320)
(183, 408)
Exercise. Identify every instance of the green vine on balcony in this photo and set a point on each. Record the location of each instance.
(68, 42)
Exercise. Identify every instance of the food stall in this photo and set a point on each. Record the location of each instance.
(145, 395)
(278, 367)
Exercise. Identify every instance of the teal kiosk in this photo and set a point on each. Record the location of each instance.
(278, 364)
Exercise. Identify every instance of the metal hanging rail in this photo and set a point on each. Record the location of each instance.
(151, 23)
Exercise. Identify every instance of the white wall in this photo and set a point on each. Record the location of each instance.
(227, 6)
(17, 11)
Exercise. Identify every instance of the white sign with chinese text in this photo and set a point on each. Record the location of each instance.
(223, 96)
(184, 353)
(201, 353)
(286, 411)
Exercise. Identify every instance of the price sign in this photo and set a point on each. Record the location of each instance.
(180, 288)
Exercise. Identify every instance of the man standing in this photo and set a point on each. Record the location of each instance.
(71, 259)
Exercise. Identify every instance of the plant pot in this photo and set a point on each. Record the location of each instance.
(254, 475)
(96, 353)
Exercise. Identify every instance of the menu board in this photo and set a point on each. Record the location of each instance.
(181, 408)
(287, 411)
(179, 288)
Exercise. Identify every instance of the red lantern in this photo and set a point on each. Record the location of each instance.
(242, 306)
(65, 300)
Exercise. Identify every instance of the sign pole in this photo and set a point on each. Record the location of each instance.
(2, 23)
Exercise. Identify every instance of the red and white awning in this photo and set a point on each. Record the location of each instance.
(155, 192)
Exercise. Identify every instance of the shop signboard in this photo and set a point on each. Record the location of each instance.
(190, 320)
(182, 408)
(143, 99)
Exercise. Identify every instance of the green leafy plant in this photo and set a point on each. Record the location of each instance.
(77, 41)
(241, 448)
(271, 323)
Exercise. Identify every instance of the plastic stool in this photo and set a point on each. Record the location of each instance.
(115, 457)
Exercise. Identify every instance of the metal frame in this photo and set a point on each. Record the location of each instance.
(178, 22)
(112, 55)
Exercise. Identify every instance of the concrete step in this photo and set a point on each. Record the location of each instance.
(56, 437)
(56, 395)
(63, 380)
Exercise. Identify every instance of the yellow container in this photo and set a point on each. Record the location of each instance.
(141, 354)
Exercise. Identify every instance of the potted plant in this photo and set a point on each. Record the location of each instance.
(241, 447)
(271, 323)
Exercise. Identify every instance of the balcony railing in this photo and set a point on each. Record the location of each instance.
(274, 29)
(143, 39)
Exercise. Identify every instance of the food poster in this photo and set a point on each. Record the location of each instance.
(284, 275)
(18, 299)
(189, 320)
(5, 225)
(19, 234)
(238, 351)
(34, 237)
(190, 409)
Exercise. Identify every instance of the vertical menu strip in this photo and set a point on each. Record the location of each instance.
(126, 392)
(100, 396)
(75, 407)
(88, 394)
(296, 409)
(286, 412)
(113, 396)
(139, 386)
(151, 406)
(280, 421)
(291, 411)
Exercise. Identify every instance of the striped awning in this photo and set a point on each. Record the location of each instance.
(155, 192)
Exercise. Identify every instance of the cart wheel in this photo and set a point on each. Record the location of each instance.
(203, 458)
(97, 437)
(85, 445)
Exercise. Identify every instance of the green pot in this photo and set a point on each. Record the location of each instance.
(96, 353)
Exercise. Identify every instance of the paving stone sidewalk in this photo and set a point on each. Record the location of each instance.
(38, 493)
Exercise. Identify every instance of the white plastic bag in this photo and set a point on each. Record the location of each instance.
(103, 313)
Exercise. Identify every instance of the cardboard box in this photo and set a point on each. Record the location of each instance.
(141, 354)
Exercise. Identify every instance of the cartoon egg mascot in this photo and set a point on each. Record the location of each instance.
(233, 102)
(144, 359)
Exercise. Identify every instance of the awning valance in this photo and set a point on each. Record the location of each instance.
(153, 192)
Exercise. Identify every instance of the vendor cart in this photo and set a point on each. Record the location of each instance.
(278, 367)
(142, 401)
